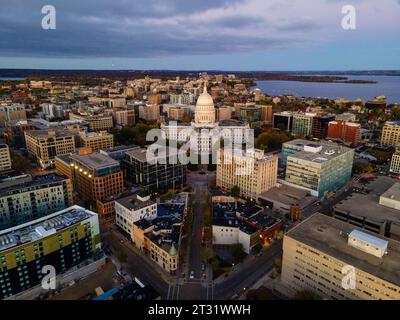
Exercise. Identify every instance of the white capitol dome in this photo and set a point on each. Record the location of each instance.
(205, 112)
(205, 99)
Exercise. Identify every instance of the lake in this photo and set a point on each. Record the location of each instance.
(388, 86)
(11, 79)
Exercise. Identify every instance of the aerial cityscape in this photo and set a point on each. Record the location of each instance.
(123, 180)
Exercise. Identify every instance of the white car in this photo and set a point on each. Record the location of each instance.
(191, 275)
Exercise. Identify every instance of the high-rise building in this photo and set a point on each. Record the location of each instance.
(395, 163)
(24, 198)
(319, 253)
(283, 121)
(153, 176)
(252, 171)
(318, 167)
(320, 126)
(65, 239)
(345, 131)
(97, 140)
(251, 115)
(5, 158)
(302, 124)
(95, 176)
(45, 145)
(391, 133)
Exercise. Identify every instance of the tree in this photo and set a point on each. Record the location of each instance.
(278, 265)
(235, 191)
(237, 253)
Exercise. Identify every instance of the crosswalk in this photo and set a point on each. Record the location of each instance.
(175, 288)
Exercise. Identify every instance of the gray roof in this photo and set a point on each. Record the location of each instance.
(330, 236)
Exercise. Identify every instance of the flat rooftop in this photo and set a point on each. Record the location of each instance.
(45, 133)
(323, 151)
(26, 181)
(367, 205)
(134, 202)
(95, 160)
(330, 236)
(43, 227)
(289, 195)
(393, 193)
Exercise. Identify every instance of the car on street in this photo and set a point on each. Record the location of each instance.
(203, 267)
(191, 275)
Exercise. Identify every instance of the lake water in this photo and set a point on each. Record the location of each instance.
(388, 86)
(10, 79)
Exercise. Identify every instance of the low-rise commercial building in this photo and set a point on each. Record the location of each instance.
(133, 208)
(395, 163)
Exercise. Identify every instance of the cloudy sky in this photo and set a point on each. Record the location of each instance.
(200, 34)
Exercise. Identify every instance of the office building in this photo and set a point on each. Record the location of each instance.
(95, 176)
(318, 167)
(347, 132)
(391, 133)
(96, 140)
(283, 121)
(153, 176)
(318, 251)
(302, 124)
(99, 122)
(252, 171)
(23, 198)
(5, 158)
(45, 145)
(224, 113)
(133, 208)
(66, 239)
(320, 126)
(251, 115)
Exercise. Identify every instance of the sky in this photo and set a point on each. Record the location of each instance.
(267, 35)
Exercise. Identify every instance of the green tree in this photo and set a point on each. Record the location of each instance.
(237, 253)
(278, 265)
